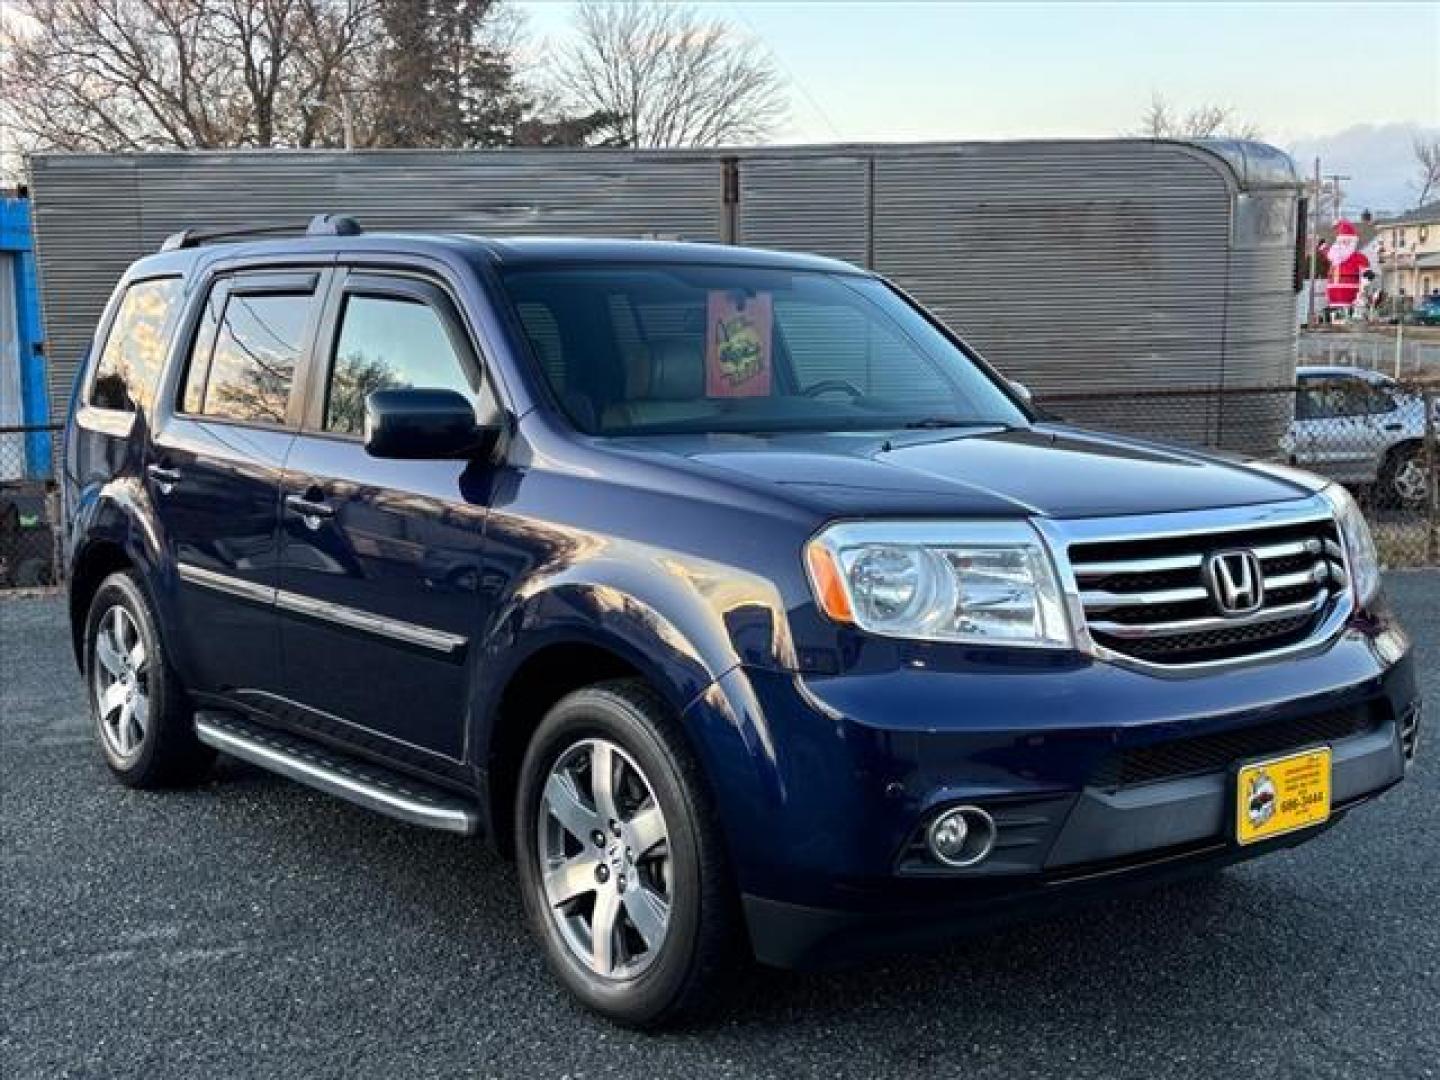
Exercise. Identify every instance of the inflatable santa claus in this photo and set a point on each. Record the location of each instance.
(1347, 263)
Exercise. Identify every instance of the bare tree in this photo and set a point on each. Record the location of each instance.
(1211, 121)
(121, 75)
(145, 74)
(664, 76)
(1427, 168)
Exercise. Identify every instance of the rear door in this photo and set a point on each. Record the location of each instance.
(1336, 430)
(213, 475)
(379, 591)
(1312, 420)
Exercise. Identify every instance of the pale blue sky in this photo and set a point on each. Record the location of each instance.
(973, 70)
(1350, 81)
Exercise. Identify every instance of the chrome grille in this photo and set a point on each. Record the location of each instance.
(1147, 597)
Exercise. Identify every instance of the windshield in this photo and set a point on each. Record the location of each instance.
(639, 349)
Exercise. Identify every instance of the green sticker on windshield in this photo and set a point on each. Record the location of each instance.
(737, 352)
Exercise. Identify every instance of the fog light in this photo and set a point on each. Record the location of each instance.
(962, 836)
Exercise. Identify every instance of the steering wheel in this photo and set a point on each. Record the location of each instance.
(824, 386)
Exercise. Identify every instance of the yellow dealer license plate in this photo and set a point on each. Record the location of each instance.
(1282, 795)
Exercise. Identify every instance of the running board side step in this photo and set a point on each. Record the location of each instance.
(371, 786)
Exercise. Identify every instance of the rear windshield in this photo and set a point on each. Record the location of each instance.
(637, 349)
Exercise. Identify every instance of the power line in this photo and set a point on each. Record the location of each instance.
(790, 74)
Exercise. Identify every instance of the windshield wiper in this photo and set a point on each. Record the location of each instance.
(935, 423)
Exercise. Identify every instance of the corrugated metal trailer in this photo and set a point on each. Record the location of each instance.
(1107, 265)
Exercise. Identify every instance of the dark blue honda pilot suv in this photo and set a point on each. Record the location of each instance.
(727, 590)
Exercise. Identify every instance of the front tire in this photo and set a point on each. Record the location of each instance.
(142, 722)
(1403, 478)
(621, 865)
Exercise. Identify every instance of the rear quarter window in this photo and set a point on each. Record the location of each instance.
(134, 354)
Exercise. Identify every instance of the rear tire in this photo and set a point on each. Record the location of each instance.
(143, 723)
(652, 864)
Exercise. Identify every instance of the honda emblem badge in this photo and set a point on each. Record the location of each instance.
(1235, 581)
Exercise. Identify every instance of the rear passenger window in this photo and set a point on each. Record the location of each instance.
(251, 366)
(1332, 398)
(134, 353)
(388, 343)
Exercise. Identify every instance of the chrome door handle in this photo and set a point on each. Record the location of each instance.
(311, 512)
(165, 479)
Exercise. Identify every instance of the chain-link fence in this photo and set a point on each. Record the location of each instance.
(29, 510)
(1376, 436)
(1410, 353)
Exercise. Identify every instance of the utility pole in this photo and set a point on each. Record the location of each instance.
(1335, 179)
(347, 119)
(1319, 185)
(1335, 206)
(1399, 340)
(1314, 246)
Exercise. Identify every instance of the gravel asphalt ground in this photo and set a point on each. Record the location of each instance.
(255, 928)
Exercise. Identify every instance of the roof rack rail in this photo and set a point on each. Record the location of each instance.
(319, 225)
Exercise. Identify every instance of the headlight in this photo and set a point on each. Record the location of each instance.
(988, 582)
(1361, 560)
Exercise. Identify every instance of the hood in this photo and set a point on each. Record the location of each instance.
(1046, 470)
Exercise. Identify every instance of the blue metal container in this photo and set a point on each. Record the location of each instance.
(22, 351)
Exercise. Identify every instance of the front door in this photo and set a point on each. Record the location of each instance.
(213, 474)
(379, 587)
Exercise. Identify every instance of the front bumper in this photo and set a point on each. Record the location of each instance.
(1089, 770)
(789, 935)
(1103, 825)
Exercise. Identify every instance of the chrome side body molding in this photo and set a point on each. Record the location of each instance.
(354, 618)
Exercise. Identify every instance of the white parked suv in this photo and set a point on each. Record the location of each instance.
(1360, 427)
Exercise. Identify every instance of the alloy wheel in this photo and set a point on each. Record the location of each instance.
(605, 859)
(122, 683)
(1410, 481)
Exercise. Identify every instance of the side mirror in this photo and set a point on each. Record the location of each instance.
(420, 424)
(1023, 390)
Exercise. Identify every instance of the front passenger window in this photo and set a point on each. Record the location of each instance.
(388, 343)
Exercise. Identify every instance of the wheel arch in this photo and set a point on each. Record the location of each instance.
(561, 641)
(95, 562)
(542, 679)
(109, 528)
(1410, 442)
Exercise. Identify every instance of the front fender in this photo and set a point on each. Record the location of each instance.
(607, 618)
(680, 620)
(683, 623)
